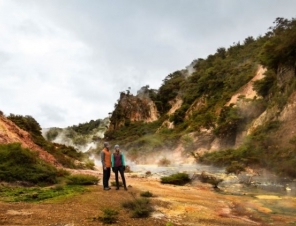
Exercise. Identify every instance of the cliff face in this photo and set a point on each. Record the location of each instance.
(286, 116)
(10, 133)
(132, 108)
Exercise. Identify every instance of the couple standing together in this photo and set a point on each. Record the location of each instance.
(115, 161)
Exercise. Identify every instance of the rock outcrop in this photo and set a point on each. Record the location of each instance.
(132, 108)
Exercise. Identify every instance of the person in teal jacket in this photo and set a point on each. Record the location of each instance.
(118, 165)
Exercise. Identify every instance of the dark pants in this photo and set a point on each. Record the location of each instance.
(106, 177)
(119, 169)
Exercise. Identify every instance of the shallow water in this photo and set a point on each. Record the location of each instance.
(263, 201)
(259, 184)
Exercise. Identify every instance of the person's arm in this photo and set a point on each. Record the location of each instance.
(123, 159)
(103, 158)
(112, 160)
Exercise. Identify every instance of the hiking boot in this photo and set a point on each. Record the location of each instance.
(108, 188)
(125, 188)
(117, 188)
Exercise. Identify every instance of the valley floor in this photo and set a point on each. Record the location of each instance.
(194, 204)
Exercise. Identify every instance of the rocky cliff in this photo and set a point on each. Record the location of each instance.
(130, 108)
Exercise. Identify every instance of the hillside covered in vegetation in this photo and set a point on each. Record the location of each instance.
(197, 113)
(27, 157)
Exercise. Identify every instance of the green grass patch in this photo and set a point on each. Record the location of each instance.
(177, 179)
(82, 179)
(35, 194)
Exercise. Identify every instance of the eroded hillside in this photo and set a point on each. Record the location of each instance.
(11, 133)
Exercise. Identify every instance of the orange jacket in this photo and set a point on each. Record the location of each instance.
(106, 158)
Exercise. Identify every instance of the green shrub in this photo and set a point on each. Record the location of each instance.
(177, 179)
(63, 173)
(20, 164)
(140, 207)
(109, 216)
(146, 194)
(82, 179)
(235, 167)
(89, 164)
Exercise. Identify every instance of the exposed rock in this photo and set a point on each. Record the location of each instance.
(11, 133)
(210, 178)
(247, 90)
(197, 104)
(132, 108)
(176, 104)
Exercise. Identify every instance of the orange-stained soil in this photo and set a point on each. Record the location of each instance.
(194, 204)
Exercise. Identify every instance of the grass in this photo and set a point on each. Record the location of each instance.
(82, 179)
(35, 194)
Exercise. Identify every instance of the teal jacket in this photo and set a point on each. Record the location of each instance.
(113, 159)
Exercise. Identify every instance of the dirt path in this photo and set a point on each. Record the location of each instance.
(195, 204)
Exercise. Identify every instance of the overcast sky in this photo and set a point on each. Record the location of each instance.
(64, 62)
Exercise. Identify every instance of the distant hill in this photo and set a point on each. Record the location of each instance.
(84, 136)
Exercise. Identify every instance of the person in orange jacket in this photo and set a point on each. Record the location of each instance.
(106, 162)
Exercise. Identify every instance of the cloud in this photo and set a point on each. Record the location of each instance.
(65, 62)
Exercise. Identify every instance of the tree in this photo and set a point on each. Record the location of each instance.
(280, 49)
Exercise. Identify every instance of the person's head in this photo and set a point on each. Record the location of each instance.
(106, 144)
(116, 147)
